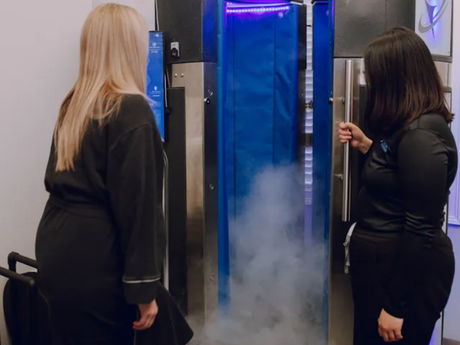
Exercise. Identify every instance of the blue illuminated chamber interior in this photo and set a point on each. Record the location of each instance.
(260, 74)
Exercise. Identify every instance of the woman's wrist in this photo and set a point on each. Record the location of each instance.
(365, 145)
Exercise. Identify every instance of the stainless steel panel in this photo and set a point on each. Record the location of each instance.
(210, 188)
(199, 81)
(191, 23)
(400, 13)
(444, 70)
(166, 218)
(340, 323)
(356, 23)
(362, 77)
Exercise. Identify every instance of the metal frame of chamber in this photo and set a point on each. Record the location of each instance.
(199, 82)
(197, 215)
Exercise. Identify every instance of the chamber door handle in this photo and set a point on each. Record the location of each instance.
(166, 218)
(346, 195)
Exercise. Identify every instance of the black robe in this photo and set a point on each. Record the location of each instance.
(101, 241)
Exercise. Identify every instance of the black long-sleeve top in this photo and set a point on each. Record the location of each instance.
(120, 167)
(406, 181)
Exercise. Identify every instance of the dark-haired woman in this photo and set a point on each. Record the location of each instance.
(402, 263)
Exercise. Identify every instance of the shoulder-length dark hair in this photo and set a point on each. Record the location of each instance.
(402, 81)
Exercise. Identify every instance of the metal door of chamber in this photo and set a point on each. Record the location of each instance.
(346, 104)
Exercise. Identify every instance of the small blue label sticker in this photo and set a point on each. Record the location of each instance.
(384, 146)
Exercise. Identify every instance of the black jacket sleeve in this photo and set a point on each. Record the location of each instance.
(135, 165)
(422, 168)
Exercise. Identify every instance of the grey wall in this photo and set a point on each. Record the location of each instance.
(145, 7)
(38, 65)
(39, 45)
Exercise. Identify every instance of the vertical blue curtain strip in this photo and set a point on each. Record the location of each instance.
(322, 123)
(260, 107)
(257, 110)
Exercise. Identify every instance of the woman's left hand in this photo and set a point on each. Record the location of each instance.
(390, 327)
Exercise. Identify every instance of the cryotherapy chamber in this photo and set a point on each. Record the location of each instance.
(237, 103)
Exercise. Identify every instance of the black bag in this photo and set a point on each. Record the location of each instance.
(26, 312)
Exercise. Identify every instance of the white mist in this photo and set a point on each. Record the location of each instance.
(276, 288)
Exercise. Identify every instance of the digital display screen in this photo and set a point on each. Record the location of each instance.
(155, 79)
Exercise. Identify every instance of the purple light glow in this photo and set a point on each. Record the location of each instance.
(260, 2)
(260, 9)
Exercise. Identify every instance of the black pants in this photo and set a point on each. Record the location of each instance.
(372, 259)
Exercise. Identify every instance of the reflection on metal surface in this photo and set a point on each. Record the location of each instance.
(362, 75)
(166, 218)
(448, 98)
(199, 80)
(349, 73)
(444, 70)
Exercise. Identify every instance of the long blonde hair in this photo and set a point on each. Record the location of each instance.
(113, 62)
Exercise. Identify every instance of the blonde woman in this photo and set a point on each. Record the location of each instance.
(101, 242)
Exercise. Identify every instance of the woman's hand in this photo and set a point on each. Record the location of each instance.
(349, 132)
(148, 314)
(390, 327)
